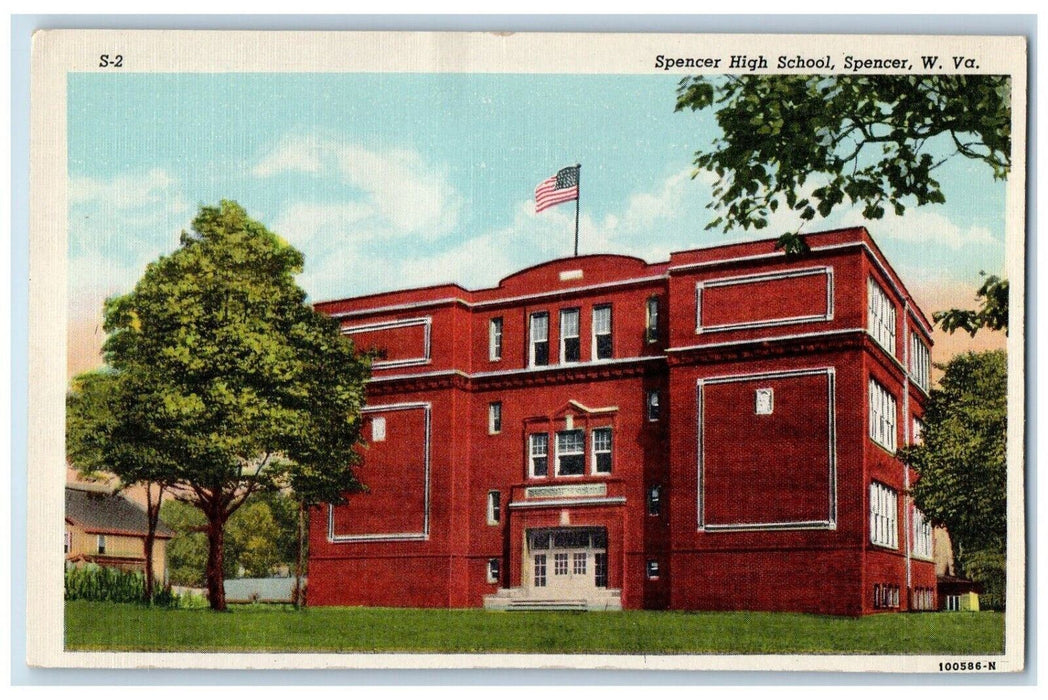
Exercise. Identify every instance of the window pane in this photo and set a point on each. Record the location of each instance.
(542, 353)
(571, 349)
(540, 570)
(602, 320)
(653, 405)
(539, 444)
(600, 570)
(569, 323)
(570, 441)
(539, 327)
(572, 465)
(495, 339)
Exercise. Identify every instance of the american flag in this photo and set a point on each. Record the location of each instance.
(562, 187)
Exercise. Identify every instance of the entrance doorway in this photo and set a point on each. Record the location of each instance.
(567, 562)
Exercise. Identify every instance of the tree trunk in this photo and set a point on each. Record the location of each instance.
(300, 599)
(216, 588)
(152, 517)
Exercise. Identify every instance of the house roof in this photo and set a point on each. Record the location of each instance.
(99, 510)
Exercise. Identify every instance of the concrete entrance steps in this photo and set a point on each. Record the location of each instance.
(522, 599)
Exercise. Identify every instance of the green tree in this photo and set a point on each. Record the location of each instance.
(253, 538)
(962, 462)
(863, 139)
(187, 550)
(103, 437)
(992, 312)
(241, 386)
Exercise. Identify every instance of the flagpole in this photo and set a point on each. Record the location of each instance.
(578, 183)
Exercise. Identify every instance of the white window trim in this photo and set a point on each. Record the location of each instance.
(884, 516)
(564, 337)
(557, 455)
(493, 498)
(922, 542)
(378, 429)
(532, 340)
(494, 410)
(593, 450)
(920, 362)
(100, 544)
(495, 327)
(610, 333)
(883, 416)
(532, 455)
(878, 305)
(917, 431)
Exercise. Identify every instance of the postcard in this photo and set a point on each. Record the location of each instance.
(527, 350)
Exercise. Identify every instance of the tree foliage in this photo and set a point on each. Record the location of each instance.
(260, 538)
(238, 384)
(961, 461)
(861, 139)
(104, 430)
(992, 312)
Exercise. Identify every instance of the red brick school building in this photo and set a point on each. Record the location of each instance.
(713, 432)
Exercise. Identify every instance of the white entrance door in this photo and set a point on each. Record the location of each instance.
(567, 563)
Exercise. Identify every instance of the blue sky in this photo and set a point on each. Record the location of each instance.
(392, 180)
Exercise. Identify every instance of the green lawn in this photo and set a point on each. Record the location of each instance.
(128, 627)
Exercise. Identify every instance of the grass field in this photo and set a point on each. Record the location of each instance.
(128, 627)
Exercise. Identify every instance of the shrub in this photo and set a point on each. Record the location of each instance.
(100, 583)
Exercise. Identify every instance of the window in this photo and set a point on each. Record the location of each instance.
(922, 535)
(569, 335)
(654, 499)
(600, 569)
(378, 429)
(495, 417)
(882, 416)
(495, 339)
(539, 340)
(494, 507)
(560, 563)
(764, 402)
(880, 316)
(538, 453)
(653, 570)
(920, 362)
(602, 450)
(68, 547)
(493, 570)
(953, 603)
(917, 432)
(101, 544)
(651, 332)
(884, 508)
(601, 332)
(885, 596)
(652, 402)
(540, 570)
(578, 563)
(571, 453)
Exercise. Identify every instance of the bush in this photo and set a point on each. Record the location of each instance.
(100, 583)
(987, 567)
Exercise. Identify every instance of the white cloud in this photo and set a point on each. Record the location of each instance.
(931, 227)
(155, 193)
(412, 196)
